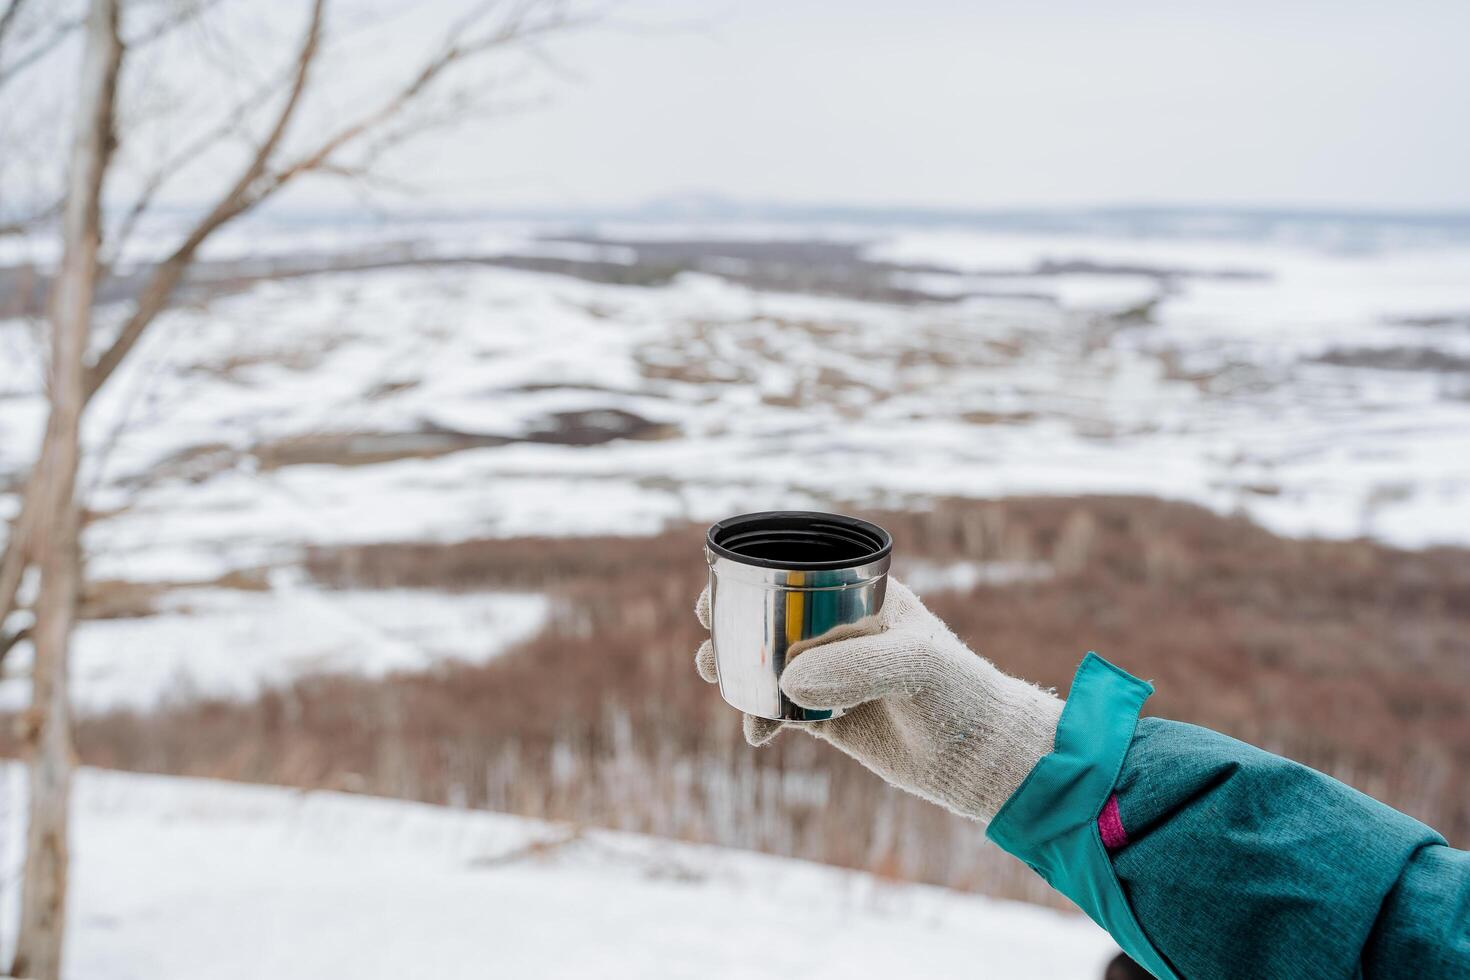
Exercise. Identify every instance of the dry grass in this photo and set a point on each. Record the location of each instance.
(1349, 656)
(126, 599)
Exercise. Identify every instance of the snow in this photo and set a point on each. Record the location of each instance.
(756, 400)
(1026, 384)
(926, 577)
(183, 878)
(877, 409)
(225, 643)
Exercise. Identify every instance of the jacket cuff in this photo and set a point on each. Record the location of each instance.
(1052, 821)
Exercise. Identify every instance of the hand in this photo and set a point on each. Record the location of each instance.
(926, 713)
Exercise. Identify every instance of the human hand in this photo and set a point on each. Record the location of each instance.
(925, 713)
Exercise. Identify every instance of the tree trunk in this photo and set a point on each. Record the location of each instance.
(54, 536)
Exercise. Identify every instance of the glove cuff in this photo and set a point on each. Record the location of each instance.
(1016, 725)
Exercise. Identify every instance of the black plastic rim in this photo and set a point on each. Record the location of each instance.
(799, 540)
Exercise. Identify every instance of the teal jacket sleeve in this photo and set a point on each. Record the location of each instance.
(1239, 863)
(1208, 858)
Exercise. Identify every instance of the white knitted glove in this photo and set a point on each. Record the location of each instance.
(930, 716)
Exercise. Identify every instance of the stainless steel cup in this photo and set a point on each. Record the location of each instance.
(780, 577)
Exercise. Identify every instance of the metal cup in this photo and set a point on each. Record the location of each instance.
(778, 578)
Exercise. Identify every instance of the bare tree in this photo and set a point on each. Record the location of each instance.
(46, 531)
(490, 28)
(54, 538)
(265, 174)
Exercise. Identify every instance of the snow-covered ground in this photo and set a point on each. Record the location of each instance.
(177, 879)
(228, 643)
(1319, 385)
(323, 409)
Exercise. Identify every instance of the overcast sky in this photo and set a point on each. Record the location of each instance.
(959, 103)
(986, 103)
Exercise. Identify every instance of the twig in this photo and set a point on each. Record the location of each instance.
(7, 19)
(8, 643)
(20, 226)
(187, 15)
(241, 196)
(171, 167)
(50, 43)
(259, 182)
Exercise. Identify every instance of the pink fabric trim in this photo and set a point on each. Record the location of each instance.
(1110, 825)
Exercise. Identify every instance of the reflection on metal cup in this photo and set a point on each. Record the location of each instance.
(778, 578)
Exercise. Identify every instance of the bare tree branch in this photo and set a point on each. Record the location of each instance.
(8, 643)
(187, 14)
(7, 18)
(517, 27)
(258, 182)
(239, 198)
(17, 553)
(40, 49)
(231, 125)
(19, 226)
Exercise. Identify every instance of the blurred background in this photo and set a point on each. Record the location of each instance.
(420, 342)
